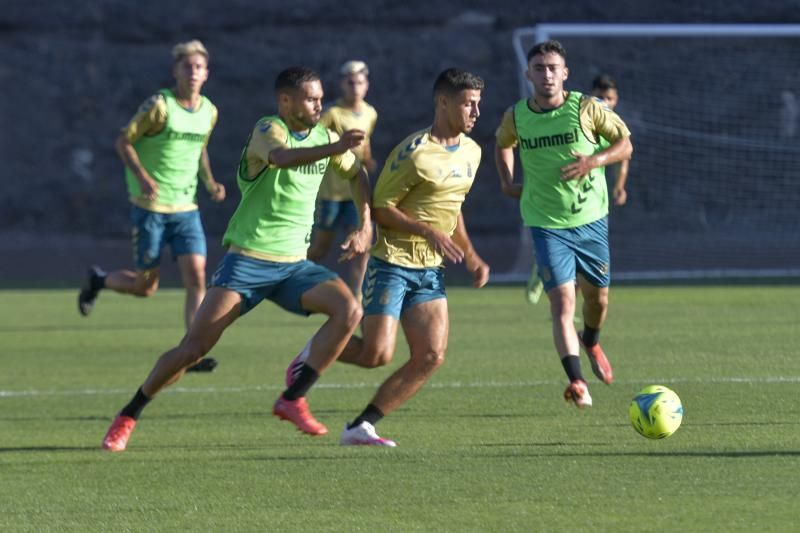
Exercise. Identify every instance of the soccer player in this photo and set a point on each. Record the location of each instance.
(564, 200)
(417, 209)
(279, 174)
(164, 150)
(335, 208)
(605, 88)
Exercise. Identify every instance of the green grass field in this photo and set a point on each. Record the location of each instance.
(487, 445)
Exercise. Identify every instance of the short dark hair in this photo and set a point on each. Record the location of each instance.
(603, 82)
(455, 80)
(546, 47)
(293, 78)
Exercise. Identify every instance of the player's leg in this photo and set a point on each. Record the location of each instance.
(186, 238)
(311, 288)
(325, 215)
(593, 264)
(356, 267)
(219, 309)
(556, 260)
(384, 289)
(535, 286)
(424, 318)
(147, 234)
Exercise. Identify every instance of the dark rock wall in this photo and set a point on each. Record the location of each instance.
(73, 72)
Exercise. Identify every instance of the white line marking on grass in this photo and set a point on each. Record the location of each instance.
(435, 385)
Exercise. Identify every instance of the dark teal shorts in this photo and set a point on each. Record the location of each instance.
(151, 232)
(561, 254)
(256, 280)
(330, 215)
(390, 289)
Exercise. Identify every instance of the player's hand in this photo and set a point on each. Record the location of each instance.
(357, 243)
(371, 165)
(149, 188)
(620, 196)
(351, 139)
(217, 193)
(514, 190)
(479, 270)
(579, 169)
(444, 245)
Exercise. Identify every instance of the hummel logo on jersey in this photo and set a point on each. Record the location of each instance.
(547, 141)
(404, 153)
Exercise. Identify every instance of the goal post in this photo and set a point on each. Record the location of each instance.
(714, 113)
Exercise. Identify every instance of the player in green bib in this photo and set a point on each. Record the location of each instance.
(564, 200)
(279, 174)
(164, 149)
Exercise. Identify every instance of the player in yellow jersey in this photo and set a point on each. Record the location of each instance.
(605, 88)
(417, 209)
(164, 150)
(335, 208)
(565, 140)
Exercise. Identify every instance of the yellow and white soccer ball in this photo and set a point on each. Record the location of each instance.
(656, 412)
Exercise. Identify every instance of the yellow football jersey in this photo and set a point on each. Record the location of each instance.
(341, 119)
(596, 121)
(428, 182)
(151, 117)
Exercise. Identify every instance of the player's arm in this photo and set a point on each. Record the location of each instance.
(619, 193)
(291, 157)
(215, 189)
(506, 139)
(600, 121)
(398, 178)
(148, 120)
(475, 265)
(393, 218)
(348, 167)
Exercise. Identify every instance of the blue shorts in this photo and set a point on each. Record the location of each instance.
(390, 289)
(331, 214)
(561, 253)
(151, 231)
(256, 279)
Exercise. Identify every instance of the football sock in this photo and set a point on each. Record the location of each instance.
(371, 414)
(99, 282)
(135, 406)
(572, 366)
(591, 336)
(305, 379)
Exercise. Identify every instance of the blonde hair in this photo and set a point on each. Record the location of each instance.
(181, 50)
(354, 67)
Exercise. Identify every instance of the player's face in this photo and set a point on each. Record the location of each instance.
(609, 96)
(306, 103)
(463, 110)
(354, 87)
(191, 72)
(547, 72)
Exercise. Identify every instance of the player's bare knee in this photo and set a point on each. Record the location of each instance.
(350, 314)
(375, 359)
(430, 360)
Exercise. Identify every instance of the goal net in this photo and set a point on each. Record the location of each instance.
(714, 113)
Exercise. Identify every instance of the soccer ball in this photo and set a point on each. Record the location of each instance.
(656, 412)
